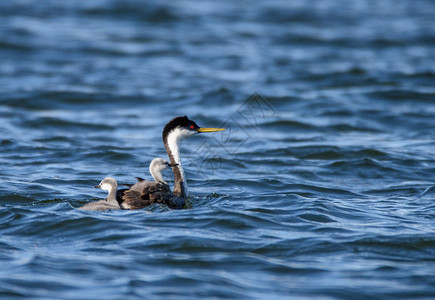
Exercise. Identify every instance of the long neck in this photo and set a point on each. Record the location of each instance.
(157, 175)
(171, 142)
(111, 198)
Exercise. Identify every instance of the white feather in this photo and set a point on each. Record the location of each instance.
(174, 138)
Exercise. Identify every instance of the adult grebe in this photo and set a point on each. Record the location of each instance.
(174, 132)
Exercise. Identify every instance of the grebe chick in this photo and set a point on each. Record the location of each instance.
(128, 199)
(108, 184)
(156, 168)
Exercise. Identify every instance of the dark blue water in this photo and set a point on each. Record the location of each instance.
(321, 187)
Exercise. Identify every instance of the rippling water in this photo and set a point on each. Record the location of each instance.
(322, 187)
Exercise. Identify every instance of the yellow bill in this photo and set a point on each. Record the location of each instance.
(203, 129)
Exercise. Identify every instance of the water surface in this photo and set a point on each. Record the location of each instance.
(322, 186)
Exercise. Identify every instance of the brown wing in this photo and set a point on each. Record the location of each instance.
(133, 200)
(158, 187)
(156, 193)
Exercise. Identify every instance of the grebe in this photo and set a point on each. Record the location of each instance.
(108, 184)
(174, 132)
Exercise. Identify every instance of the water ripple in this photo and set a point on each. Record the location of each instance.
(322, 186)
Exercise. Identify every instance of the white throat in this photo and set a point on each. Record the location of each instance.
(174, 139)
(111, 197)
(156, 173)
(106, 186)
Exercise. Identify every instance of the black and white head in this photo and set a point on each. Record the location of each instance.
(159, 164)
(180, 128)
(107, 184)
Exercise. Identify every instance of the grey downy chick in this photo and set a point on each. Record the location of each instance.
(108, 184)
(132, 198)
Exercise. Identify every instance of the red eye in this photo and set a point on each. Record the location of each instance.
(191, 126)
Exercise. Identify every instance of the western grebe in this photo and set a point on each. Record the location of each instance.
(108, 184)
(174, 132)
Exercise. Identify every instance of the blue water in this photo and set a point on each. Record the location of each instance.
(322, 186)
